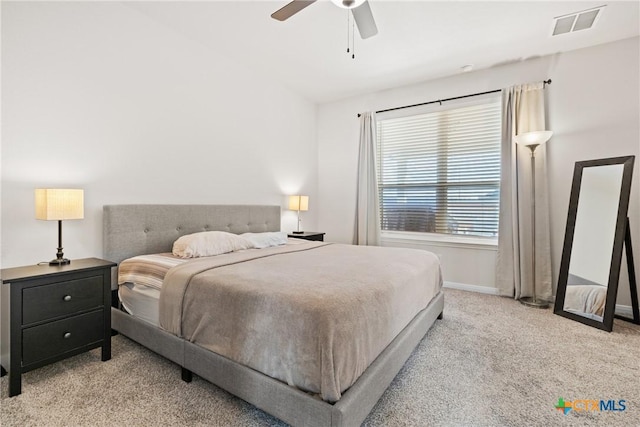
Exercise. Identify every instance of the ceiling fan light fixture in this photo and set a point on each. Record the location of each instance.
(348, 4)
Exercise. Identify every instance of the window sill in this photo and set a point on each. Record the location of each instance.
(433, 239)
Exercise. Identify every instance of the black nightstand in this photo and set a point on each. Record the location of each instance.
(51, 313)
(308, 235)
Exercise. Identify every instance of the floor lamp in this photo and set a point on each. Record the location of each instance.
(532, 140)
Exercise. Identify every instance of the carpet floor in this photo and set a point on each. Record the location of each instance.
(490, 362)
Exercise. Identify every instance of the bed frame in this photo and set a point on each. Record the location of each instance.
(131, 230)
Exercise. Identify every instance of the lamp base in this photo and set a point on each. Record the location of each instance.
(297, 232)
(531, 302)
(60, 261)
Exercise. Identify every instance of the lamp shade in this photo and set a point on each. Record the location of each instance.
(347, 4)
(533, 138)
(299, 203)
(59, 203)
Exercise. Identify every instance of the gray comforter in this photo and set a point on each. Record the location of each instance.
(313, 315)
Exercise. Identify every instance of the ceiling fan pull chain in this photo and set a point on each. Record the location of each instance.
(348, 41)
(353, 39)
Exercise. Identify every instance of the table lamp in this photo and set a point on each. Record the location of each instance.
(299, 203)
(58, 204)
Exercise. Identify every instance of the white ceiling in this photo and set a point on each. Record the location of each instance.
(417, 40)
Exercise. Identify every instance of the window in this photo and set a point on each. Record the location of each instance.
(439, 171)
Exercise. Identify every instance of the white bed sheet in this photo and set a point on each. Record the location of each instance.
(140, 301)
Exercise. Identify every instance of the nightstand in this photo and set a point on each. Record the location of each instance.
(308, 235)
(50, 313)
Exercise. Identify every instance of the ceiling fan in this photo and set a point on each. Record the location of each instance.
(359, 8)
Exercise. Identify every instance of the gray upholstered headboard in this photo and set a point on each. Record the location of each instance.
(130, 230)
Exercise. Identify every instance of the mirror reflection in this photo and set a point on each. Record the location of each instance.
(593, 239)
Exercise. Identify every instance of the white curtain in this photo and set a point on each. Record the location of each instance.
(367, 225)
(523, 110)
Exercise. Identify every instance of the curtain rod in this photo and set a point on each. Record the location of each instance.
(544, 83)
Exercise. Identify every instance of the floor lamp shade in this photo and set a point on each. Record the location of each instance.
(535, 138)
(299, 203)
(58, 204)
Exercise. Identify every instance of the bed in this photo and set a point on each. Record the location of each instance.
(133, 230)
(585, 297)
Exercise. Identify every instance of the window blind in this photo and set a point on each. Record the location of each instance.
(439, 172)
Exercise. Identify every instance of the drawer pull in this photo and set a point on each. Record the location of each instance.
(67, 335)
(67, 298)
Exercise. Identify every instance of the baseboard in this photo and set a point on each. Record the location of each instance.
(471, 288)
(624, 310)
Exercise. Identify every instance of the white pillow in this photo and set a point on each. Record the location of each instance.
(209, 243)
(264, 240)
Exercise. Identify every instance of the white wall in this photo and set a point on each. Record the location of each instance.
(96, 95)
(593, 109)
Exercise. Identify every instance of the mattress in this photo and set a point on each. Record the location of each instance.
(140, 301)
(139, 282)
(313, 315)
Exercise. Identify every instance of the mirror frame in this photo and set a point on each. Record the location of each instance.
(618, 242)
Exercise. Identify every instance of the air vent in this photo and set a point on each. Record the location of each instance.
(576, 21)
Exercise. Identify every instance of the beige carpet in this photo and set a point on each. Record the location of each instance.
(489, 362)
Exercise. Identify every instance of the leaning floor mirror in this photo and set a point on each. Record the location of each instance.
(596, 236)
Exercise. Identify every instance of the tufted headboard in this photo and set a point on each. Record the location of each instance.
(130, 230)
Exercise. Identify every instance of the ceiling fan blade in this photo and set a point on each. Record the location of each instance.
(364, 19)
(291, 9)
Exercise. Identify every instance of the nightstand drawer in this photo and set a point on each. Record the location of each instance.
(316, 237)
(60, 299)
(55, 338)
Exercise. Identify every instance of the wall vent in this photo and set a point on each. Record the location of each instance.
(576, 21)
